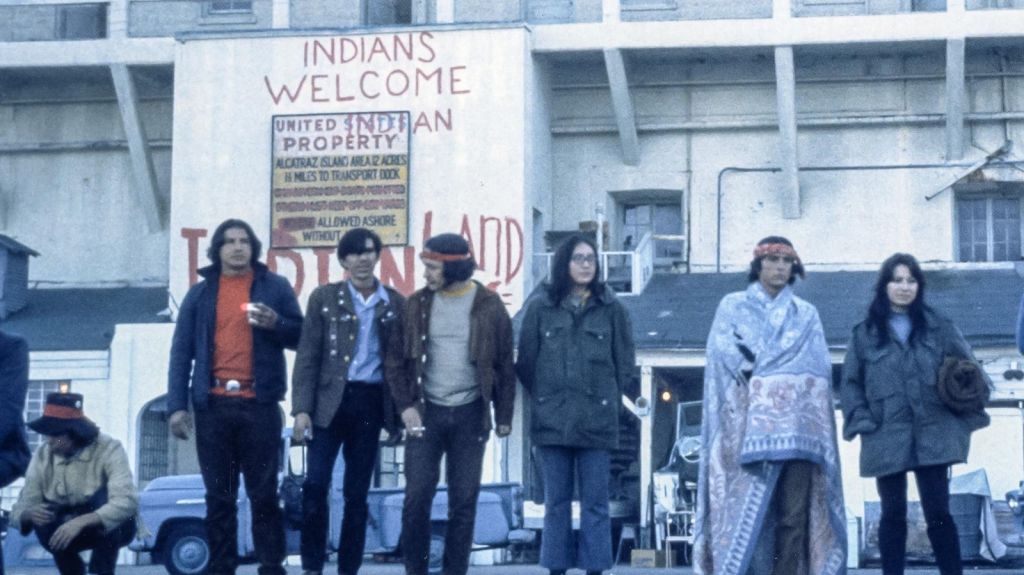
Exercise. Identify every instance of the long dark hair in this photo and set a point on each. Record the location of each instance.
(881, 309)
(561, 283)
(217, 242)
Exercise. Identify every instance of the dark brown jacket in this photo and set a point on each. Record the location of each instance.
(490, 350)
(328, 343)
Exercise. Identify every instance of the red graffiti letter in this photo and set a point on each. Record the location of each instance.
(193, 235)
(510, 225)
(428, 224)
(389, 274)
(467, 233)
(295, 258)
(323, 265)
(484, 220)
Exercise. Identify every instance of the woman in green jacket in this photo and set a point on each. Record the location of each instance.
(890, 398)
(576, 358)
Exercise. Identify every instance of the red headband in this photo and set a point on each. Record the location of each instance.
(62, 412)
(439, 257)
(775, 249)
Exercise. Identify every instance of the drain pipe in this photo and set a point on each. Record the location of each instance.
(862, 167)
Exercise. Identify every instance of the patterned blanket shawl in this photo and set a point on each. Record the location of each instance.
(785, 411)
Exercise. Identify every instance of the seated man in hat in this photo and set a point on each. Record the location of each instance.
(79, 493)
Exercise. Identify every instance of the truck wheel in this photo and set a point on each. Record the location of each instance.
(436, 553)
(186, 551)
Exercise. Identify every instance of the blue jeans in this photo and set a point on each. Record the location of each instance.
(593, 550)
(355, 430)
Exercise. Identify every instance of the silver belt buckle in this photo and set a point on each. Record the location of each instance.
(232, 385)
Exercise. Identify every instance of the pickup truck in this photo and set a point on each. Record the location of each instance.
(172, 509)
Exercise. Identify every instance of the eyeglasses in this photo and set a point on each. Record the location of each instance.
(581, 259)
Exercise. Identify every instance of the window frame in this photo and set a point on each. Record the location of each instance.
(211, 11)
(626, 203)
(988, 195)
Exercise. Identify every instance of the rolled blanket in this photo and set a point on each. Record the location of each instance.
(962, 386)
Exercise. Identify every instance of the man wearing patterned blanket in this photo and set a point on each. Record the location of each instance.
(769, 491)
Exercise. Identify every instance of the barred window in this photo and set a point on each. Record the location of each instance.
(229, 7)
(988, 228)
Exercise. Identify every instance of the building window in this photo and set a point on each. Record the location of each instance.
(988, 228)
(154, 449)
(35, 401)
(82, 22)
(656, 219)
(229, 7)
(388, 12)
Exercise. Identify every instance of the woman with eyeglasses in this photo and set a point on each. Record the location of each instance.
(890, 397)
(576, 359)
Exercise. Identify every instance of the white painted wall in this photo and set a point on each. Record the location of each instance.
(472, 174)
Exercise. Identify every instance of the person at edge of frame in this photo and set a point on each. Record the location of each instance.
(14, 453)
(79, 492)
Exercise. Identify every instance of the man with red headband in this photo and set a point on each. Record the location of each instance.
(458, 351)
(79, 493)
(769, 484)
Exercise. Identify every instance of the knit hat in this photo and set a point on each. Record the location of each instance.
(63, 414)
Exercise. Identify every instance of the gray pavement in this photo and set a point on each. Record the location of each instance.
(394, 569)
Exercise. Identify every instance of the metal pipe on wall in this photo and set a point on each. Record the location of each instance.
(857, 167)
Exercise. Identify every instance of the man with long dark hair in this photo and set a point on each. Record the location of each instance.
(227, 360)
(79, 492)
(350, 355)
(458, 351)
(769, 484)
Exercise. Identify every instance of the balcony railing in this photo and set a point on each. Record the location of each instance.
(627, 272)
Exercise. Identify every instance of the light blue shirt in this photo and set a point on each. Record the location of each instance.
(900, 325)
(367, 364)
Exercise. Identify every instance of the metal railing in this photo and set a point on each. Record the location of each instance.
(634, 268)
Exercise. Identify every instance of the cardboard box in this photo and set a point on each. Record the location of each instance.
(647, 558)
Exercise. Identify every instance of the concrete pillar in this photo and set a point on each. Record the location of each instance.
(646, 443)
(138, 147)
(956, 98)
(611, 10)
(622, 102)
(281, 10)
(782, 9)
(444, 11)
(117, 19)
(785, 91)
